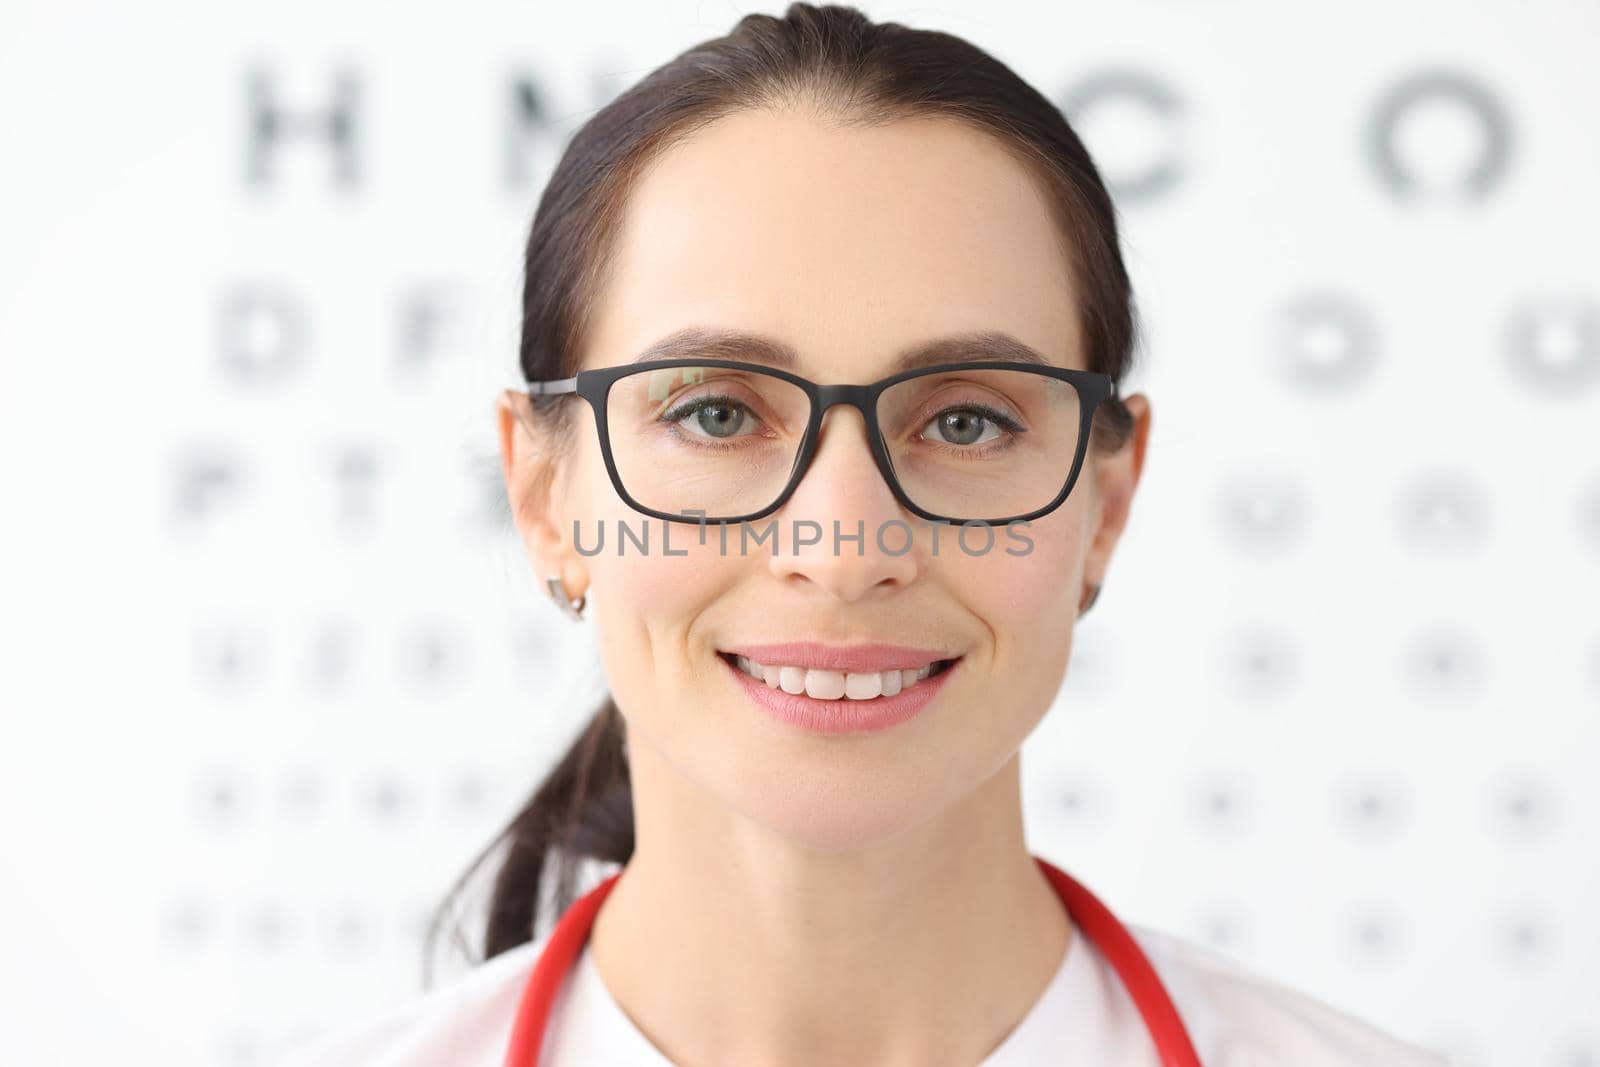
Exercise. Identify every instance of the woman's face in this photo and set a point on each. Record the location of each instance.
(848, 245)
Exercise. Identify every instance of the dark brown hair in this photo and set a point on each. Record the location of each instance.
(857, 72)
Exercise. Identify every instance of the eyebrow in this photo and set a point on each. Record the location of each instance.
(994, 346)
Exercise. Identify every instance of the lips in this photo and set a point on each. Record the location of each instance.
(824, 704)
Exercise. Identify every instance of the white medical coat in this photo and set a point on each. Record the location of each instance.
(1237, 1018)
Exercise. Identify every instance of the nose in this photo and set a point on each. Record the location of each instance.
(876, 547)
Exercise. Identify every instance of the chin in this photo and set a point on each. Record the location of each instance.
(836, 808)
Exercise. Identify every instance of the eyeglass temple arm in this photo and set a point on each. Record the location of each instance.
(555, 385)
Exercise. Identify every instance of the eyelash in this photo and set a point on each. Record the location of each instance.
(999, 418)
(690, 407)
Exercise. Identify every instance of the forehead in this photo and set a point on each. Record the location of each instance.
(846, 243)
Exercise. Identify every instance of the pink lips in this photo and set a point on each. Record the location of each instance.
(842, 716)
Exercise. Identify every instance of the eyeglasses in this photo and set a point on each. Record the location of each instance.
(723, 441)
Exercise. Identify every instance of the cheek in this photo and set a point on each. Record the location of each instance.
(650, 602)
(661, 592)
(637, 584)
(1028, 602)
(1026, 583)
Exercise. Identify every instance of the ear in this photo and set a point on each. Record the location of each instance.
(533, 478)
(1116, 475)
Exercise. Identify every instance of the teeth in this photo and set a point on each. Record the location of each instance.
(792, 679)
(863, 686)
(833, 685)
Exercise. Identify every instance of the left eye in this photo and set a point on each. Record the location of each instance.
(967, 425)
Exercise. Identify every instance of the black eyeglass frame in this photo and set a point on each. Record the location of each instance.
(594, 385)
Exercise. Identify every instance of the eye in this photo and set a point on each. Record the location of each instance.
(715, 417)
(967, 425)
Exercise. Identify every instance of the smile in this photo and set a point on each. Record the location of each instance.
(833, 689)
(826, 684)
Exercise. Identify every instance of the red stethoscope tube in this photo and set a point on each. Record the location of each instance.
(1090, 916)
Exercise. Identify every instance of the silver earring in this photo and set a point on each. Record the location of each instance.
(1090, 596)
(571, 606)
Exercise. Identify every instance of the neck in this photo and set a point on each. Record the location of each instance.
(726, 942)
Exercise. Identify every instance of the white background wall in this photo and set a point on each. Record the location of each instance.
(274, 667)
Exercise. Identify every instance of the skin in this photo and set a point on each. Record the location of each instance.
(868, 898)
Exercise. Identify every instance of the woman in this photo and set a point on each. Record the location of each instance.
(809, 762)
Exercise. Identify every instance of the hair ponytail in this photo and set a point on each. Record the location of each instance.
(583, 810)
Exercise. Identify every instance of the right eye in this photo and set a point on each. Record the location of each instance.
(713, 418)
